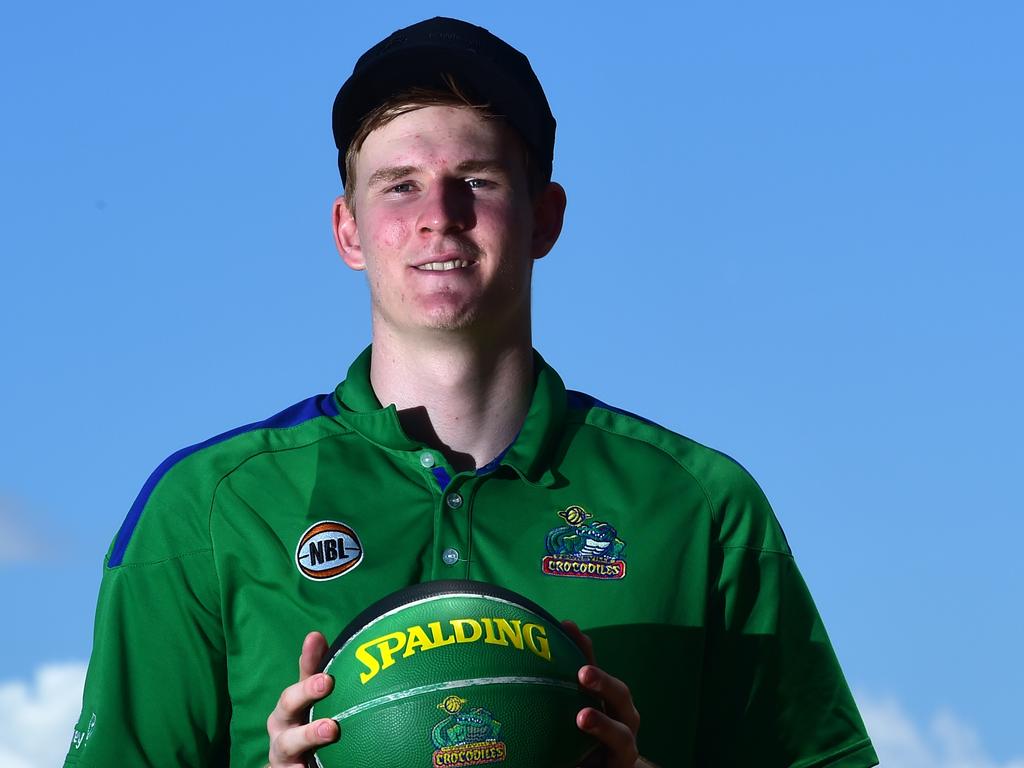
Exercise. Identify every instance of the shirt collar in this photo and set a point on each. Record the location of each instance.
(361, 411)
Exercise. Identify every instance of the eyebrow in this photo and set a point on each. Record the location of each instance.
(479, 166)
(391, 174)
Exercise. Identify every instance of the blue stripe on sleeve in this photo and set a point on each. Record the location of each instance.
(582, 401)
(311, 408)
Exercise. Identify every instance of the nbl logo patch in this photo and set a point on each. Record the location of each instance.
(327, 550)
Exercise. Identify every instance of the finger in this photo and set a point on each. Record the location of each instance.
(313, 649)
(618, 739)
(616, 695)
(291, 745)
(582, 640)
(295, 700)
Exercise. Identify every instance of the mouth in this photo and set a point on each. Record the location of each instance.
(444, 266)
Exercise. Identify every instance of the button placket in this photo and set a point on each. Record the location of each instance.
(453, 507)
(453, 500)
(450, 556)
(451, 515)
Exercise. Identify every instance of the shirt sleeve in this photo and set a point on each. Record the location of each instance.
(156, 693)
(775, 693)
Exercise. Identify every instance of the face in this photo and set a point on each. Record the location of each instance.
(444, 225)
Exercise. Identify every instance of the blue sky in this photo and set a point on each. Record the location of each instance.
(794, 233)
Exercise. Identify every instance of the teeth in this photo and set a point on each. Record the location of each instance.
(444, 266)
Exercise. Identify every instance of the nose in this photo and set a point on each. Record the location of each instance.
(447, 207)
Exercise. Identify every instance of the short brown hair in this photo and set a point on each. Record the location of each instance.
(418, 98)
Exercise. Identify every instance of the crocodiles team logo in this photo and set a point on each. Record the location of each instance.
(584, 548)
(466, 736)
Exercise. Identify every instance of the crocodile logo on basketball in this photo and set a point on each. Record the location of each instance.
(584, 547)
(467, 736)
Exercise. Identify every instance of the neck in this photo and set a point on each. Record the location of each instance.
(464, 398)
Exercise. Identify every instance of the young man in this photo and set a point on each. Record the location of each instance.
(452, 450)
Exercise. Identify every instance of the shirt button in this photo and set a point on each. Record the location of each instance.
(450, 556)
(453, 500)
(427, 459)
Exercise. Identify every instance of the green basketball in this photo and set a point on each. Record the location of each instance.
(454, 673)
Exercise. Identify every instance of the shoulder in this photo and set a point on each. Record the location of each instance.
(715, 471)
(734, 499)
(171, 513)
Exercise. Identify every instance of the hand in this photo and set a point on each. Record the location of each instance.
(291, 737)
(617, 727)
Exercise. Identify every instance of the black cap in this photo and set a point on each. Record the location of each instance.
(486, 66)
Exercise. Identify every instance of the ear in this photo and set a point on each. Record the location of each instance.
(548, 216)
(346, 235)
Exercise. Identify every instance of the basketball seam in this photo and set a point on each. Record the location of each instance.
(468, 683)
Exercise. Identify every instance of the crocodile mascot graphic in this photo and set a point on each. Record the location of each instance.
(584, 547)
(468, 736)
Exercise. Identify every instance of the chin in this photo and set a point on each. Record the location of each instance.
(448, 316)
(450, 321)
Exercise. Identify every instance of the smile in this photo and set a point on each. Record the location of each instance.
(444, 266)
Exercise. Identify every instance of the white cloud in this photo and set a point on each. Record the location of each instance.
(18, 540)
(37, 719)
(945, 742)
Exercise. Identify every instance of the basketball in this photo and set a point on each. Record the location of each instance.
(454, 673)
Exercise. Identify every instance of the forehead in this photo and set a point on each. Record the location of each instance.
(436, 138)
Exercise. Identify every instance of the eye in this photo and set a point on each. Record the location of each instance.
(405, 186)
(475, 183)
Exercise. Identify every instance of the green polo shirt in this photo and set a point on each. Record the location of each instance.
(665, 552)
